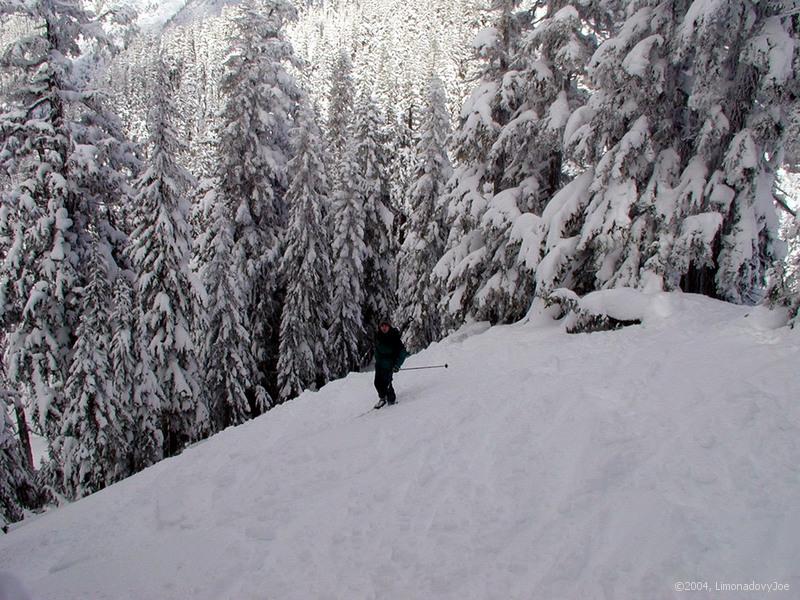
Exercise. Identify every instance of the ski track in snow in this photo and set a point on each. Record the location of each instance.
(539, 465)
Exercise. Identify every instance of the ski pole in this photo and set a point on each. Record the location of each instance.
(444, 366)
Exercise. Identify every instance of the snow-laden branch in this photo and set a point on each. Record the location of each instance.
(782, 202)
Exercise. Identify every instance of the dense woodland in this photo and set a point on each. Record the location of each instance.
(201, 220)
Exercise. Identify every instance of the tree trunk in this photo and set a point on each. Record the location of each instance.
(24, 435)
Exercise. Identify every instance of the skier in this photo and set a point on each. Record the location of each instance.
(389, 356)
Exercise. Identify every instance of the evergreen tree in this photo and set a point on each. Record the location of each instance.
(348, 336)
(509, 148)
(340, 112)
(679, 169)
(398, 142)
(785, 288)
(418, 313)
(227, 355)
(41, 269)
(371, 188)
(306, 267)
(160, 251)
(122, 356)
(739, 52)
(261, 97)
(18, 490)
(94, 426)
(480, 172)
(793, 274)
(147, 400)
(67, 163)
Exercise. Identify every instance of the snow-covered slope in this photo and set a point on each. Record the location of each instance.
(540, 465)
(155, 14)
(199, 10)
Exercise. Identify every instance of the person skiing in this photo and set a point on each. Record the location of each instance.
(389, 356)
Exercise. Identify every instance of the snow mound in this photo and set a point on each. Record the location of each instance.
(539, 465)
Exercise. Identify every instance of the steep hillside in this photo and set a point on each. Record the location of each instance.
(539, 465)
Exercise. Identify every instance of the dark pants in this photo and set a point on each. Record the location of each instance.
(383, 383)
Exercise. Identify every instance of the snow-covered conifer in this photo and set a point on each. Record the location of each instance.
(793, 273)
(41, 266)
(677, 191)
(372, 190)
(66, 162)
(160, 253)
(509, 148)
(306, 267)
(347, 332)
(122, 352)
(95, 445)
(398, 141)
(228, 361)
(17, 483)
(418, 311)
(744, 55)
(340, 111)
(146, 403)
(260, 100)
(495, 99)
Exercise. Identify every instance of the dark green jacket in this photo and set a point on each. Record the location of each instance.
(389, 350)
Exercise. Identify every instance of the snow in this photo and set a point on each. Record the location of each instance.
(566, 13)
(638, 59)
(577, 124)
(701, 14)
(485, 38)
(153, 15)
(773, 51)
(704, 226)
(538, 465)
(559, 112)
(11, 588)
(625, 304)
(741, 157)
(528, 229)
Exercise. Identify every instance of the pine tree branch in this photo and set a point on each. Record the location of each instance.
(782, 201)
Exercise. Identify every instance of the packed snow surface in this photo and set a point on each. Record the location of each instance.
(540, 465)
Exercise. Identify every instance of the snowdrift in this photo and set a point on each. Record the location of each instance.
(540, 465)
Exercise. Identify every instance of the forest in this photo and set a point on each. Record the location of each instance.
(202, 218)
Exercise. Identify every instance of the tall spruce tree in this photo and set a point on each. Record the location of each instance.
(744, 54)
(260, 101)
(67, 164)
(148, 401)
(160, 250)
(677, 190)
(340, 112)
(372, 190)
(228, 361)
(480, 171)
(398, 142)
(418, 313)
(95, 425)
(348, 335)
(306, 267)
(18, 489)
(122, 358)
(511, 160)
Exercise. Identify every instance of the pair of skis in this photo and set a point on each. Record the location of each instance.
(377, 407)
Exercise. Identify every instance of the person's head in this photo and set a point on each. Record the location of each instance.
(384, 326)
